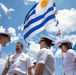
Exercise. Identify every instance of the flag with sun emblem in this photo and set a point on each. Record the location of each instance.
(40, 15)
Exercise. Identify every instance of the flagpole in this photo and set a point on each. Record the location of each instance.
(61, 68)
(60, 36)
(73, 3)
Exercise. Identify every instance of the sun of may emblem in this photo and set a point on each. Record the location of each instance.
(44, 3)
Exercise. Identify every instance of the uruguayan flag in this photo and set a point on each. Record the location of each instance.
(41, 15)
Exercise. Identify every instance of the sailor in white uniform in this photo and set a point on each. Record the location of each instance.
(69, 60)
(19, 63)
(4, 39)
(45, 60)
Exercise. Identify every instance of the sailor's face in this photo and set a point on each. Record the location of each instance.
(18, 48)
(5, 41)
(42, 44)
(64, 49)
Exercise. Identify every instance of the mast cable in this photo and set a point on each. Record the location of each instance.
(7, 12)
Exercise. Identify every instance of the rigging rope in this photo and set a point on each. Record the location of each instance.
(73, 3)
(7, 12)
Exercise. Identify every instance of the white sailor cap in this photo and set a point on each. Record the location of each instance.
(6, 34)
(65, 41)
(45, 38)
(34, 61)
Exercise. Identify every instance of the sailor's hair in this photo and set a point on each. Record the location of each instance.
(67, 43)
(21, 44)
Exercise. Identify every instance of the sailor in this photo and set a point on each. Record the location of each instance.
(19, 63)
(45, 59)
(69, 60)
(4, 39)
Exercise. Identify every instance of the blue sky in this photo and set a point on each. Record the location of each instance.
(10, 20)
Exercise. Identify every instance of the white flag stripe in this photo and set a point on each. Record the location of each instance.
(39, 8)
(32, 25)
(51, 12)
(50, 22)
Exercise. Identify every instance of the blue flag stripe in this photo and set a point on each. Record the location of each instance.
(39, 26)
(33, 8)
(31, 14)
(38, 18)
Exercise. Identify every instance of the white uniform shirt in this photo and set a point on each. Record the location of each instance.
(19, 63)
(0, 50)
(46, 57)
(68, 62)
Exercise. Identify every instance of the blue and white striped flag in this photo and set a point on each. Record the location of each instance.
(41, 15)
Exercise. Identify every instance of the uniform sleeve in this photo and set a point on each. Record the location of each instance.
(72, 54)
(0, 50)
(42, 57)
(7, 64)
(29, 62)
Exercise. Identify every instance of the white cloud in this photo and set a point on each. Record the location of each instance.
(58, 53)
(2, 29)
(12, 30)
(9, 10)
(33, 50)
(51, 28)
(26, 2)
(71, 38)
(2, 61)
(15, 37)
(9, 18)
(66, 20)
(6, 10)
